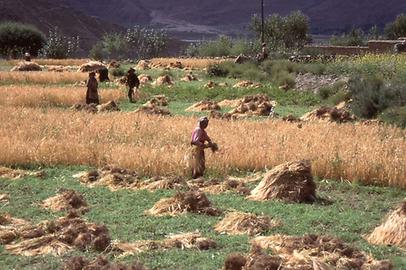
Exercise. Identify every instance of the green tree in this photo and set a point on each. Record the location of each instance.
(17, 38)
(290, 32)
(59, 46)
(396, 29)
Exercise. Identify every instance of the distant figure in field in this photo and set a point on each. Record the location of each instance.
(264, 53)
(132, 81)
(400, 47)
(92, 96)
(197, 160)
(27, 57)
(104, 75)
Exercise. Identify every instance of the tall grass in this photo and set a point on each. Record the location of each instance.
(156, 146)
(41, 77)
(34, 96)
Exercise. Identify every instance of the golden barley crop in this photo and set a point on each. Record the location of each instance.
(41, 77)
(37, 96)
(53, 62)
(156, 146)
(199, 63)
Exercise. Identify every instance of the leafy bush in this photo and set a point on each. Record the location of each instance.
(371, 95)
(117, 72)
(356, 37)
(395, 115)
(59, 46)
(326, 92)
(223, 46)
(17, 38)
(289, 32)
(217, 70)
(397, 28)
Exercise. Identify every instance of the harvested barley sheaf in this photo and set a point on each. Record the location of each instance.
(66, 200)
(57, 237)
(370, 154)
(41, 77)
(309, 252)
(117, 178)
(17, 174)
(28, 96)
(198, 63)
(80, 263)
(393, 230)
(237, 223)
(192, 240)
(214, 186)
(191, 201)
(292, 181)
(204, 105)
(4, 197)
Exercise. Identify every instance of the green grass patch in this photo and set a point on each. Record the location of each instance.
(351, 214)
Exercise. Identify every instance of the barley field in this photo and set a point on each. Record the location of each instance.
(41, 77)
(156, 145)
(198, 63)
(36, 96)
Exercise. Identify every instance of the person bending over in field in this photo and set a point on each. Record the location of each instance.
(132, 81)
(199, 139)
(92, 96)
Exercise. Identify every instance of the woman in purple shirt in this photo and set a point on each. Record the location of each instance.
(199, 139)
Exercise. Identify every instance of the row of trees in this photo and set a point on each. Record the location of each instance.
(137, 42)
(281, 33)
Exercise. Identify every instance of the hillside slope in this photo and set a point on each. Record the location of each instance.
(213, 16)
(46, 14)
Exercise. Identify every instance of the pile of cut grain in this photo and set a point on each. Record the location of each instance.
(192, 240)
(66, 200)
(204, 105)
(80, 263)
(247, 84)
(18, 174)
(190, 201)
(237, 223)
(215, 186)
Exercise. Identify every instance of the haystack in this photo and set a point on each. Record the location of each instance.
(121, 81)
(392, 231)
(80, 263)
(258, 105)
(292, 182)
(214, 186)
(92, 66)
(324, 251)
(144, 79)
(111, 177)
(329, 114)
(114, 64)
(193, 240)
(210, 84)
(158, 100)
(110, 106)
(4, 197)
(232, 103)
(237, 223)
(247, 84)
(204, 105)
(189, 77)
(191, 201)
(143, 65)
(176, 64)
(153, 110)
(27, 66)
(18, 174)
(117, 178)
(163, 80)
(166, 183)
(59, 236)
(220, 115)
(65, 201)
